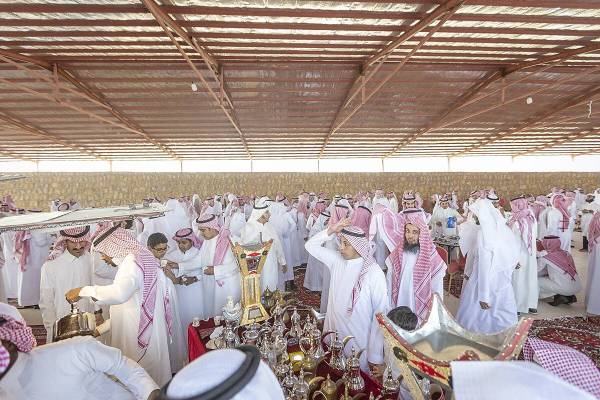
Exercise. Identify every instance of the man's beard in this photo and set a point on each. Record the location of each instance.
(411, 248)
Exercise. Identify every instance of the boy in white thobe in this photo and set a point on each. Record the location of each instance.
(357, 292)
(79, 368)
(218, 261)
(140, 316)
(69, 265)
(487, 304)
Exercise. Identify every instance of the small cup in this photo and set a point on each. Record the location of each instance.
(163, 263)
(196, 322)
(217, 320)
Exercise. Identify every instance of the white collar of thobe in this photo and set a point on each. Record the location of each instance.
(355, 261)
(70, 257)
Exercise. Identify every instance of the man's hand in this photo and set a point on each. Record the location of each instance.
(96, 333)
(172, 265)
(377, 370)
(99, 319)
(438, 223)
(107, 260)
(337, 228)
(189, 280)
(284, 268)
(169, 274)
(209, 270)
(484, 305)
(72, 295)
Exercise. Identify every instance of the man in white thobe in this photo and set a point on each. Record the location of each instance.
(487, 304)
(415, 269)
(557, 275)
(283, 224)
(524, 227)
(592, 292)
(69, 265)
(444, 219)
(80, 368)
(31, 250)
(560, 221)
(178, 356)
(591, 205)
(258, 230)
(313, 278)
(357, 292)
(218, 261)
(140, 316)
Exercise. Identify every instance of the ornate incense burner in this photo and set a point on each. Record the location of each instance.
(251, 260)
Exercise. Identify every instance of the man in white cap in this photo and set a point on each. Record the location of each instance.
(258, 230)
(218, 261)
(69, 265)
(487, 304)
(140, 315)
(357, 291)
(80, 368)
(524, 227)
(227, 374)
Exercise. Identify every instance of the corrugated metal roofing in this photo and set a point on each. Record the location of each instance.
(113, 80)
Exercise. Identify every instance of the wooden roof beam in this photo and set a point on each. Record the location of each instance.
(471, 95)
(223, 99)
(569, 137)
(443, 11)
(537, 121)
(89, 94)
(35, 131)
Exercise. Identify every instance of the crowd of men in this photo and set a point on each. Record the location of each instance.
(374, 252)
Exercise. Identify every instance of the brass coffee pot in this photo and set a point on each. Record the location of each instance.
(328, 390)
(76, 323)
(337, 360)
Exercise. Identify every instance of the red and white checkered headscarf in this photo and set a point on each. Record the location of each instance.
(523, 216)
(429, 263)
(116, 242)
(565, 362)
(22, 247)
(559, 257)
(594, 231)
(338, 213)
(78, 235)
(362, 218)
(188, 233)
(359, 241)
(560, 203)
(320, 206)
(210, 221)
(17, 332)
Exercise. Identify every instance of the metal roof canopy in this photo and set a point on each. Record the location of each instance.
(91, 79)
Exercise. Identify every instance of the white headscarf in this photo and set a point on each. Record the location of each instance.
(213, 368)
(251, 232)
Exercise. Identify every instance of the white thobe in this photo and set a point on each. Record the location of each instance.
(442, 215)
(284, 226)
(195, 300)
(592, 292)
(553, 280)
(406, 295)
(58, 277)
(554, 228)
(276, 258)
(301, 236)
(313, 277)
(524, 279)
(227, 277)
(104, 274)
(236, 222)
(586, 218)
(29, 280)
(10, 270)
(362, 323)
(125, 298)
(80, 368)
(489, 286)
(543, 223)
(178, 340)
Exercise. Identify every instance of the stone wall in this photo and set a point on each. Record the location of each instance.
(101, 189)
